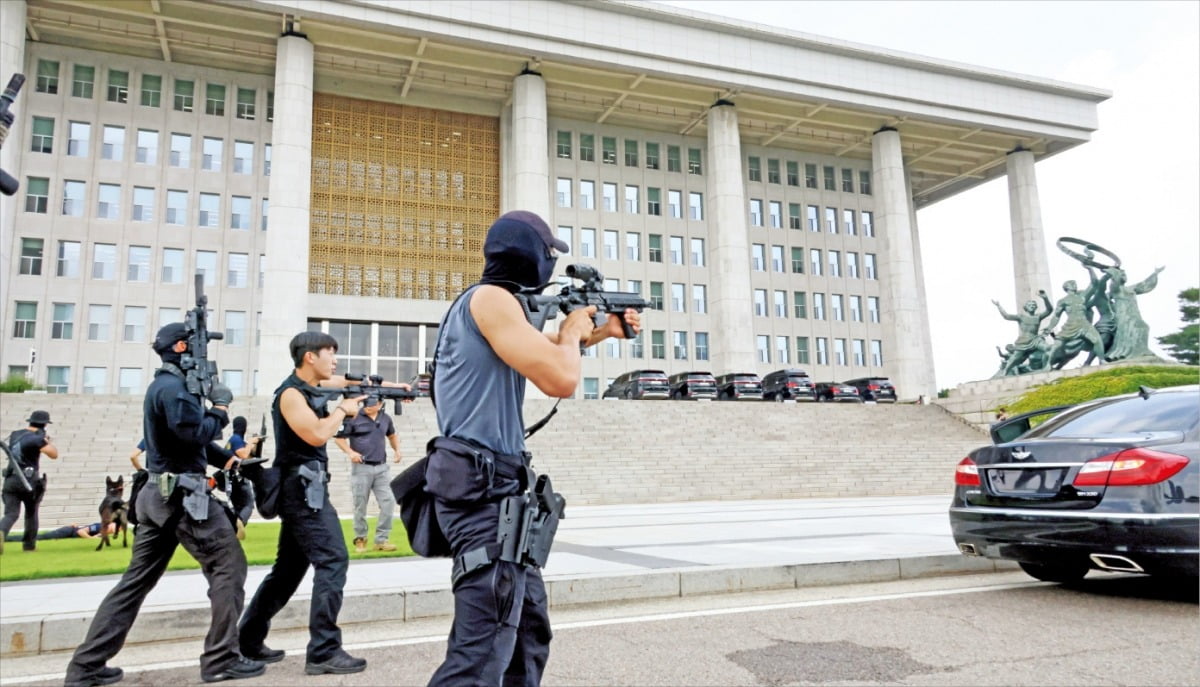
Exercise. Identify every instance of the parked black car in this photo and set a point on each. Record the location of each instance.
(639, 384)
(739, 386)
(878, 389)
(1112, 484)
(791, 384)
(693, 385)
(420, 384)
(837, 391)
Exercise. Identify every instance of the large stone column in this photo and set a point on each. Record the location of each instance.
(900, 295)
(12, 60)
(732, 336)
(528, 173)
(285, 286)
(1031, 270)
(930, 377)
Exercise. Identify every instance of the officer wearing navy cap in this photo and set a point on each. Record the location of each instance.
(175, 508)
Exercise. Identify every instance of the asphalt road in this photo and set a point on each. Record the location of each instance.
(999, 629)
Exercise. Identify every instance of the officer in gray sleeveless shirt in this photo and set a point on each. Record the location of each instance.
(501, 630)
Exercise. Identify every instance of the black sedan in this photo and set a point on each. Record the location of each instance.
(837, 391)
(1112, 484)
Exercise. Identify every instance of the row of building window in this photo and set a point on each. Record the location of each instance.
(799, 306)
(816, 266)
(130, 380)
(565, 149)
(134, 323)
(183, 95)
(114, 144)
(829, 176)
(143, 203)
(139, 265)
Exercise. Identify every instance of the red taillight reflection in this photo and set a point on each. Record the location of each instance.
(1129, 468)
(966, 474)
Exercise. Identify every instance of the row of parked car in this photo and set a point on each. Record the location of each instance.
(781, 385)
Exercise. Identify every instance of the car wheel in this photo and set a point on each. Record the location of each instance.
(629, 394)
(1056, 572)
(780, 397)
(820, 399)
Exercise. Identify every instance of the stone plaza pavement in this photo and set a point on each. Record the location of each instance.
(602, 554)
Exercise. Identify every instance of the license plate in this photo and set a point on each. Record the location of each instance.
(1026, 480)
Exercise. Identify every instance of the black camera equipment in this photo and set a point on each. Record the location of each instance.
(541, 307)
(371, 387)
(8, 185)
(199, 372)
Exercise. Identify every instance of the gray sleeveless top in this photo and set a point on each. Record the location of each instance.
(479, 397)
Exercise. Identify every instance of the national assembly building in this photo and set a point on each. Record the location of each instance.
(335, 165)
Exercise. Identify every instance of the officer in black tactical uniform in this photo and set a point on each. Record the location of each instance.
(311, 533)
(26, 489)
(175, 508)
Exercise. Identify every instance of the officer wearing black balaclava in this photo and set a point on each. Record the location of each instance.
(485, 353)
(175, 508)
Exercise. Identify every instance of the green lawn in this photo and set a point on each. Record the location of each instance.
(78, 557)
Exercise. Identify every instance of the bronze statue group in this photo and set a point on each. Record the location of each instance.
(1102, 319)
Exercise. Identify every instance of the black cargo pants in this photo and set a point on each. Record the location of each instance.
(162, 526)
(14, 497)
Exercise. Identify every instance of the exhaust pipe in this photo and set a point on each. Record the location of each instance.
(968, 549)
(1114, 563)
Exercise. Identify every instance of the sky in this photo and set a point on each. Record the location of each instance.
(1133, 189)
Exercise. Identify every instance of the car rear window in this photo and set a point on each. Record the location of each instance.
(700, 378)
(1159, 413)
(745, 378)
(798, 378)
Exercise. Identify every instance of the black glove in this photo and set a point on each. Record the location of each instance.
(220, 395)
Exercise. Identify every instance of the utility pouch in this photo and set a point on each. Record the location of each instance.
(314, 487)
(462, 472)
(195, 496)
(417, 512)
(167, 482)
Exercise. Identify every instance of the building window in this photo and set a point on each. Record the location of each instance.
(701, 345)
(262, 277)
(869, 266)
(95, 380)
(564, 145)
(758, 257)
(852, 265)
(636, 348)
(754, 169)
(839, 352)
(762, 344)
(864, 182)
(699, 298)
(168, 315)
(633, 246)
(108, 202)
(587, 243)
(210, 210)
(810, 175)
(99, 322)
(694, 166)
(813, 222)
(831, 220)
(47, 76)
(84, 81)
(794, 215)
(211, 159)
(243, 157)
(591, 388)
(177, 207)
(609, 196)
(631, 153)
(631, 199)
(772, 171)
(68, 259)
(151, 90)
(214, 99)
(848, 222)
(775, 214)
(756, 212)
(835, 306)
(235, 329)
(181, 150)
(868, 224)
(25, 320)
(797, 260)
(31, 256)
(58, 378)
(781, 350)
(847, 180)
(656, 295)
(587, 195)
(856, 308)
(873, 308)
(680, 345)
(818, 306)
(270, 106)
(696, 205)
(698, 252)
(799, 305)
(674, 161)
(651, 156)
(118, 86)
(104, 261)
(73, 198)
(43, 135)
(587, 148)
(781, 304)
(611, 240)
(822, 351)
(658, 344)
(676, 250)
(138, 269)
(143, 204)
(802, 350)
(146, 152)
(206, 264)
(562, 192)
(245, 103)
(129, 381)
(113, 145)
(835, 263)
(37, 196)
(858, 348)
(62, 324)
(239, 270)
(172, 266)
(654, 201)
(135, 324)
(675, 204)
(678, 300)
(828, 173)
(185, 91)
(267, 160)
(793, 173)
(876, 352)
(777, 259)
(564, 235)
(655, 251)
(608, 151)
(78, 139)
(760, 302)
(814, 262)
(240, 215)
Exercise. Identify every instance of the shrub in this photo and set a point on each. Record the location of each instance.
(1111, 382)
(16, 384)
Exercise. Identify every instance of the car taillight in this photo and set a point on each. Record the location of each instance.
(966, 474)
(873, 387)
(1129, 468)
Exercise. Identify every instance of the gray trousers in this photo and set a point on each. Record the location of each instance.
(366, 480)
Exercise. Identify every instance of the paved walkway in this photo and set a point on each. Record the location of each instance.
(602, 553)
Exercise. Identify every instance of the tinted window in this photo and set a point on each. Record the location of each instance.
(745, 378)
(1160, 412)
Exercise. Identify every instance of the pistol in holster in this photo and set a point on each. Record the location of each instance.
(528, 523)
(195, 495)
(314, 480)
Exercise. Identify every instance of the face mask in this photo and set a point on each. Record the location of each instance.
(520, 252)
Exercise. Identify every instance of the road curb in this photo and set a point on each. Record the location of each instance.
(27, 635)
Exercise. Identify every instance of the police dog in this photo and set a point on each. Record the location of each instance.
(113, 510)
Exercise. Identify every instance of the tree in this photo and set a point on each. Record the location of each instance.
(1184, 345)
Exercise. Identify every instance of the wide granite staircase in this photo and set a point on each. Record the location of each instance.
(598, 452)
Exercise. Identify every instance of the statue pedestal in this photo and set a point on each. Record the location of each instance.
(976, 402)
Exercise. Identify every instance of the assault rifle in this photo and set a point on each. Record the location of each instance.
(262, 439)
(371, 387)
(16, 467)
(199, 372)
(8, 185)
(541, 307)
